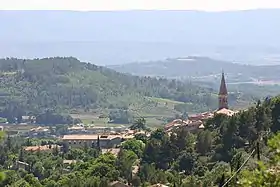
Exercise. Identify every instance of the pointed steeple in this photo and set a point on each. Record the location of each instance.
(223, 87)
(98, 143)
(223, 94)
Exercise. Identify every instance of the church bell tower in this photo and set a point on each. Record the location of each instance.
(223, 94)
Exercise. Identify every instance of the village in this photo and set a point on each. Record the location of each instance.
(78, 135)
(106, 139)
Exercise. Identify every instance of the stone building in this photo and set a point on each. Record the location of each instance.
(93, 140)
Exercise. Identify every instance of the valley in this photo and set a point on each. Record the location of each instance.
(139, 98)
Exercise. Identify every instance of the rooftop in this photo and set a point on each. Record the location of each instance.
(226, 112)
(41, 148)
(76, 128)
(40, 129)
(223, 87)
(89, 137)
(114, 151)
(201, 116)
(69, 161)
(177, 122)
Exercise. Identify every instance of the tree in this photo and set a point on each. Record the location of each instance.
(204, 142)
(147, 172)
(275, 115)
(137, 146)
(126, 159)
(2, 175)
(105, 166)
(139, 124)
(51, 118)
(266, 175)
(136, 181)
(119, 117)
(181, 140)
(187, 162)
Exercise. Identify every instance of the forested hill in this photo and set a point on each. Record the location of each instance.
(65, 84)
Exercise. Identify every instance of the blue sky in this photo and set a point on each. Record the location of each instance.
(86, 5)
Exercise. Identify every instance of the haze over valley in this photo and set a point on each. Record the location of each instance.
(108, 37)
(202, 69)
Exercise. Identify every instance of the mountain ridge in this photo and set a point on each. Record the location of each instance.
(196, 66)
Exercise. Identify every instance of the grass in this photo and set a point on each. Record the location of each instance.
(154, 110)
(168, 101)
(152, 121)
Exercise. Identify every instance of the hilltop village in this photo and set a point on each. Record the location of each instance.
(195, 122)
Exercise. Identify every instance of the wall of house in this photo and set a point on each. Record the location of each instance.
(104, 143)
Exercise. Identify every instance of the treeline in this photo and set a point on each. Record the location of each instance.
(62, 84)
(180, 158)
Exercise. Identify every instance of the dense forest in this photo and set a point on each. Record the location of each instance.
(32, 87)
(242, 150)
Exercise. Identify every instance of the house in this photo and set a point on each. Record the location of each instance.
(159, 185)
(39, 129)
(103, 129)
(118, 184)
(69, 162)
(30, 119)
(201, 116)
(93, 140)
(114, 151)
(187, 124)
(176, 123)
(39, 132)
(21, 165)
(76, 129)
(42, 148)
(227, 112)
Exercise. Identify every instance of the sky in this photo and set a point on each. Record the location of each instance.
(90, 5)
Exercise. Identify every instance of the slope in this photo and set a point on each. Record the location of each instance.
(68, 85)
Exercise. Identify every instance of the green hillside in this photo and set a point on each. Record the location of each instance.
(66, 85)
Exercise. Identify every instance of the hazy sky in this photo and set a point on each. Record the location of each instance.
(209, 5)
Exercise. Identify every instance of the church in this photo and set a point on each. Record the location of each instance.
(223, 99)
(195, 122)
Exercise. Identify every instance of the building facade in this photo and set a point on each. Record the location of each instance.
(93, 140)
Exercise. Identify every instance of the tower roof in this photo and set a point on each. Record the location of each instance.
(223, 87)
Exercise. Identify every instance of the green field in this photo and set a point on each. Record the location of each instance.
(154, 110)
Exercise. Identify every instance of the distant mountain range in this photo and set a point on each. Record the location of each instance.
(202, 69)
(104, 37)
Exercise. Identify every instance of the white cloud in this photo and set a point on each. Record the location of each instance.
(83, 5)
